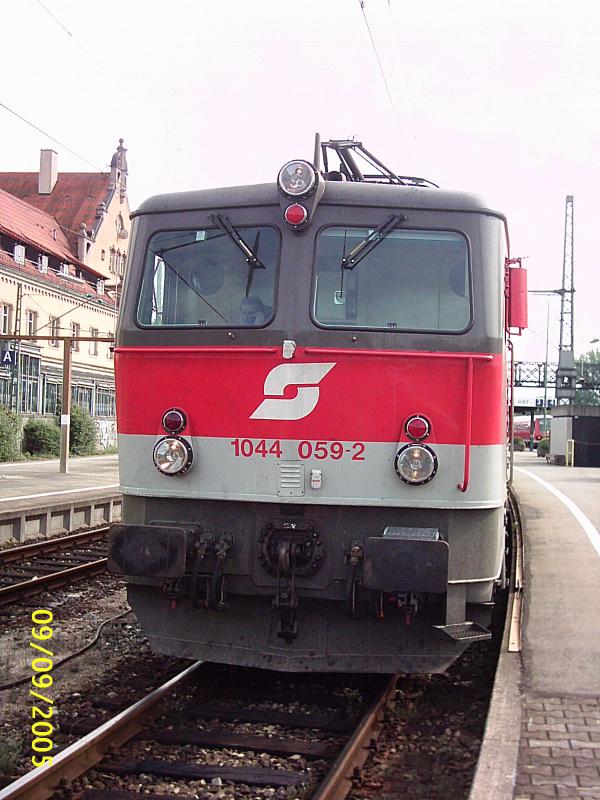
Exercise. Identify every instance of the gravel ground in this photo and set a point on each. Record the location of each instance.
(430, 742)
(78, 612)
(427, 751)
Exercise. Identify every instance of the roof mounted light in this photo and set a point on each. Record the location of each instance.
(297, 179)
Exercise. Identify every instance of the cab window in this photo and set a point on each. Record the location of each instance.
(202, 278)
(412, 280)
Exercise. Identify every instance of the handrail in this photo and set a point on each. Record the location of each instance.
(225, 349)
(333, 351)
(469, 409)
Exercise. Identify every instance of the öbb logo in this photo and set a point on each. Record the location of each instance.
(305, 377)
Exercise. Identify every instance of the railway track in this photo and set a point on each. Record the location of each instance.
(313, 744)
(33, 568)
(314, 753)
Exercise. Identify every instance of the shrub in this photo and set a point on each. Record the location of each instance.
(518, 444)
(543, 447)
(82, 439)
(10, 751)
(41, 437)
(10, 435)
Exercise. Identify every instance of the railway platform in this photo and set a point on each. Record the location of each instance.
(37, 500)
(543, 731)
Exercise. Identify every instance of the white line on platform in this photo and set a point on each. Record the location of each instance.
(64, 491)
(590, 530)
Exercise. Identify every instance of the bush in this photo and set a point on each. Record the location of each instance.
(543, 447)
(82, 439)
(10, 435)
(10, 751)
(518, 444)
(41, 437)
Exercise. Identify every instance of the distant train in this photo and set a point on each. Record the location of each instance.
(522, 428)
(313, 418)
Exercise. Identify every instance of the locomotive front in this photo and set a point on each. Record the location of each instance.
(311, 402)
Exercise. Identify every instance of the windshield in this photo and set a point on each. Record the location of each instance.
(413, 280)
(202, 278)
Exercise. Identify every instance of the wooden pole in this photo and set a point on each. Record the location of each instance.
(65, 413)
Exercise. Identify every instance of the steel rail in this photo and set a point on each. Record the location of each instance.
(50, 545)
(338, 781)
(41, 783)
(31, 586)
(50, 581)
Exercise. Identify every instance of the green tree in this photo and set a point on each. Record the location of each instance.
(82, 440)
(10, 435)
(588, 367)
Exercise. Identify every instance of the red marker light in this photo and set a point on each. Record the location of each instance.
(296, 214)
(174, 421)
(417, 428)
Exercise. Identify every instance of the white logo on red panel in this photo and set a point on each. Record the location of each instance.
(305, 377)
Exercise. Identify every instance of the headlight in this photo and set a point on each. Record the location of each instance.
(172, 455)
(416, 464)
(297, 178)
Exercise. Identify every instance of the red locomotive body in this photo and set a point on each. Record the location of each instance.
(312, 422)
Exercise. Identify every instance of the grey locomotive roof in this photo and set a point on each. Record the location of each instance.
(356, 194)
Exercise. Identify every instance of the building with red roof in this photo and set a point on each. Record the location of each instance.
(63, 240)
(91, 208)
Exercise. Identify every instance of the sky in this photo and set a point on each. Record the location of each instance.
(497, 99)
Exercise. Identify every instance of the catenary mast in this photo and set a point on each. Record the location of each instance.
(566, 374)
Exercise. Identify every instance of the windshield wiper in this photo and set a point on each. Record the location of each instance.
(252, 259)
(362, 249)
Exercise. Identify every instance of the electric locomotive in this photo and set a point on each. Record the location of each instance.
(313, 409)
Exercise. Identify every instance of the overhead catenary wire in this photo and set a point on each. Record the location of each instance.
(379, 62)
(60, 24)
(119, 181)
(49, 136)
(57, 141)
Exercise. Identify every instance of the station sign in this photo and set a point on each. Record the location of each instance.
(539, 402)
(8, 358)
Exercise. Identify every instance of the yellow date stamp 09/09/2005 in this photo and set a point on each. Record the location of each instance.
(42, 710)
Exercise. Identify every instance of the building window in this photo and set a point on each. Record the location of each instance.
(52, 393)
(6, 320)
(75, 330)
(5, 392)
(94, 345)
(54, 330)
(19, 254)
(82, 396)
(31, 322)
(110, 347)
(112, 260)
(30, 384)
(105, 402)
